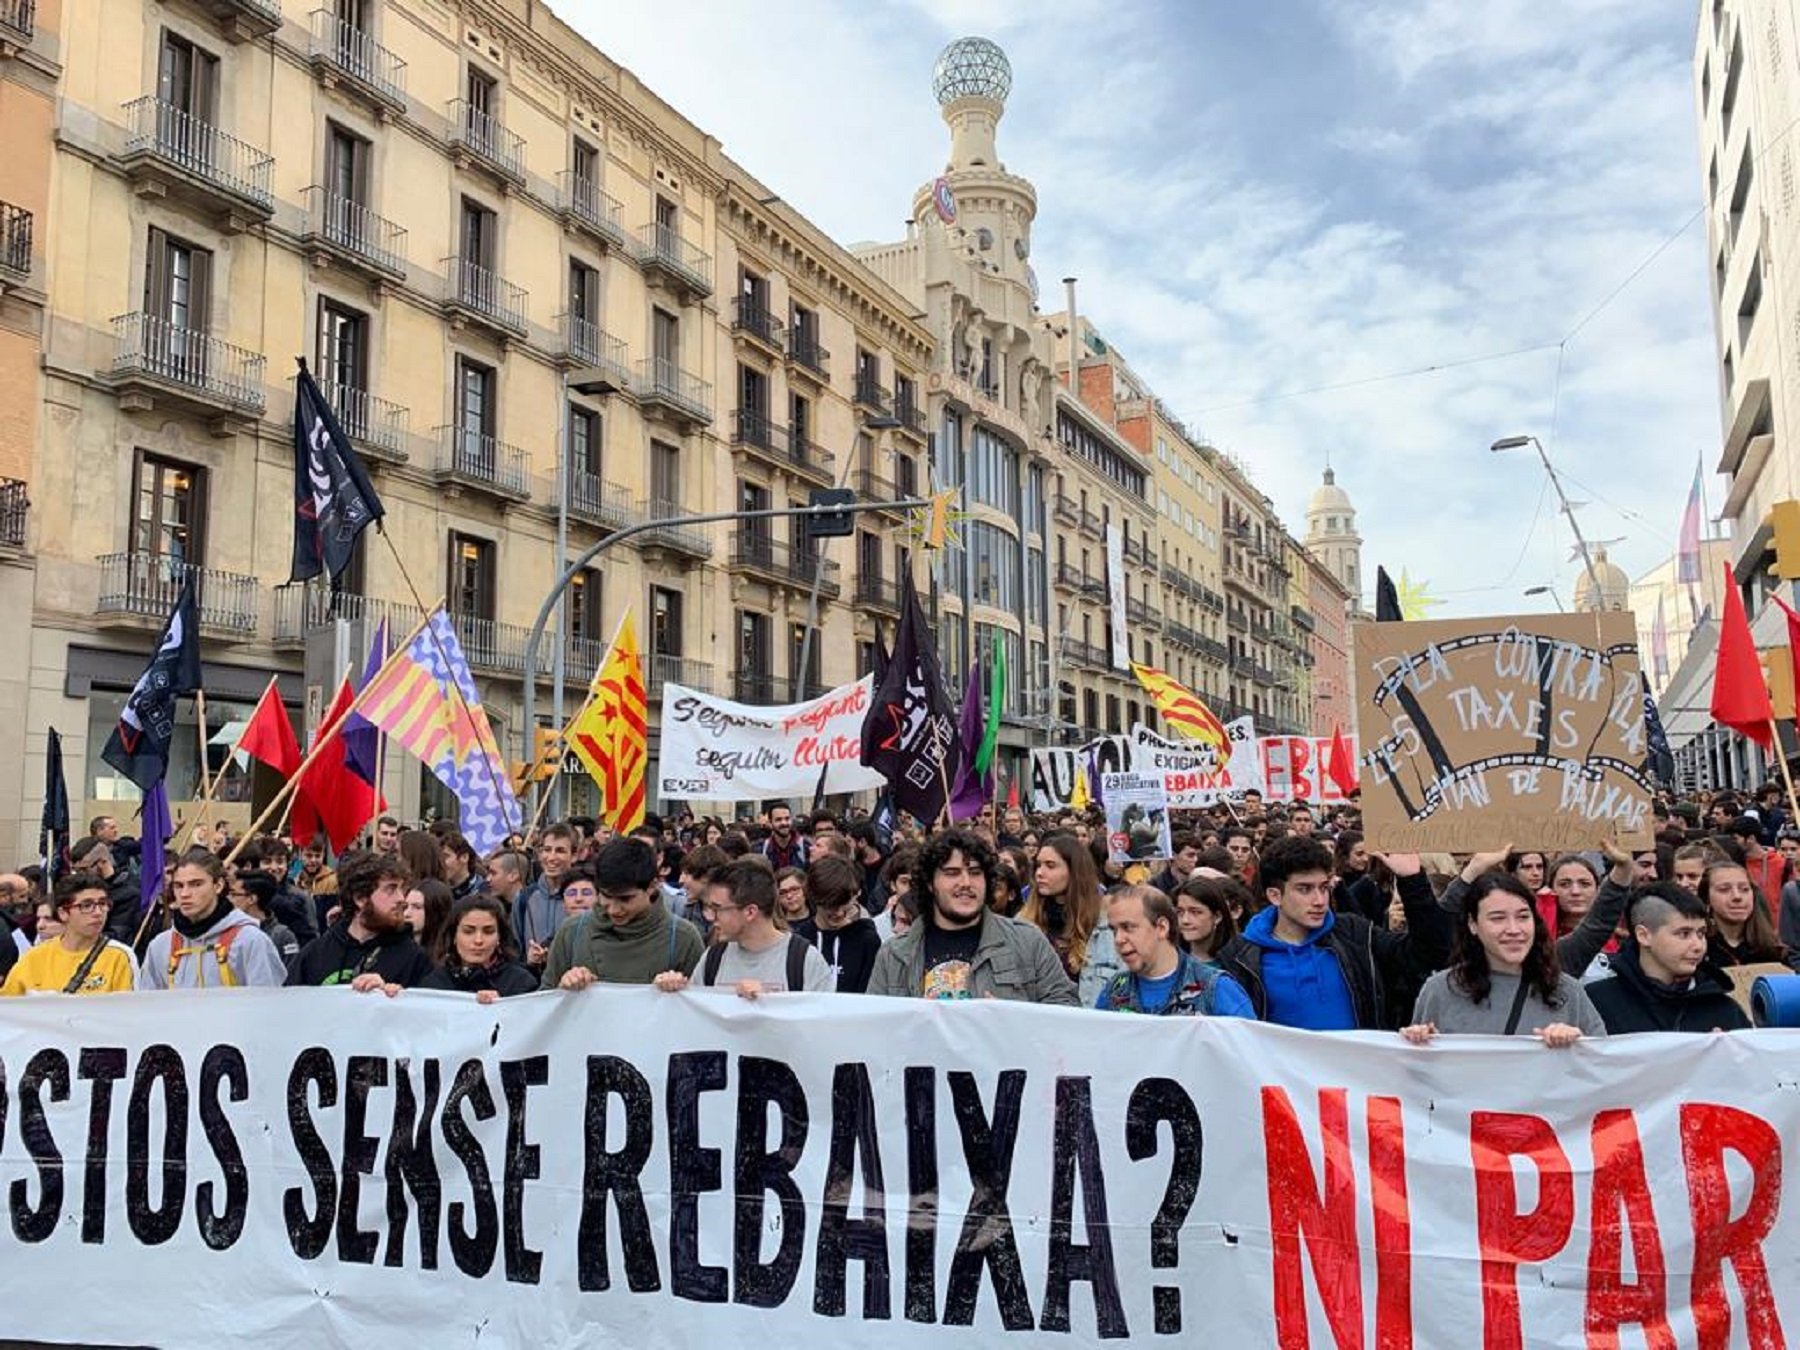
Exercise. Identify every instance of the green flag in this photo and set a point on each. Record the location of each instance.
(990, 734)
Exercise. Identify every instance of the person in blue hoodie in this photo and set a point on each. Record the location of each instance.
(1305, 965)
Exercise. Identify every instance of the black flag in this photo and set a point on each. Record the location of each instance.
(1660, 762)
(139, 744)
(53, 825)
(333, 498)
(1387, 599)
(909, 734)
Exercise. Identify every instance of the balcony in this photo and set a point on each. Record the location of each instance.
(1244, 666)
(871, 395)
(1237, 621)
(586, 207)
(752, 321)
(169, 153)
(345, 57)
(1069, 577)
(877, 592)
(1303, 619)
(481, 140)
(684, 541)
(1092, 525)
(494, 647)
(300, 610)
(598, 502)
(379, 428)
(663, 386)
(1263, 676)
(872, 487)
(18, 22)
(815, 461)
(661, 669)
(755, 430)
(783, 564)
(15, 242)
(156, 363)
(808, 358)
(142, 588)
(754, 686)
(1138, 551)
(477, 296)
(911, 418)
(670, 260)
(1065, 510)
(14, 508)
(1095, 588)
(472, 460)
(1089, 654)
(1180, 635)
(598, 359)
(245, 20)
(1215, 651)
(347, 232)
(1142, 614)
(1210, 599)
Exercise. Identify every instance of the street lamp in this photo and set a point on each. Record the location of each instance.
(1549, 591)
(1518, 443)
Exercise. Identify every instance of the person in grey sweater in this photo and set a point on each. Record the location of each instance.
(1577, 951)
(1503, 978)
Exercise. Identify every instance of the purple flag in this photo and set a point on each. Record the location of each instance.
(972, 789)
(157, 827)
(362, 741)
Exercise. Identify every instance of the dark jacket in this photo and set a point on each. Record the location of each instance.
(1576, 952)
(1629, 1000)
(1371, 960)
(295, 910)
(507, 979)
(123, 912)
(849, 950)
(1724, 956)
(334, 957)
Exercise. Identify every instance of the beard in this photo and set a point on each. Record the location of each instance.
(379, 921)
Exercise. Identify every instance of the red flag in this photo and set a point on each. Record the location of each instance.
(269, 735)
(1740, 699)
(332, 796)
(1012, 794)
(1793, 627)
(1340, 764)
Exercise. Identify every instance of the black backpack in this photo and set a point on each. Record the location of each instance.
(797, 949)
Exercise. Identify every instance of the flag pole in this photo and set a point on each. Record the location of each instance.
(206, 786)
(212, 784)
(1787, 777)
(561, 743)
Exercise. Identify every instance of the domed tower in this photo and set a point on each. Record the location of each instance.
(1614, 592)
(1331, 535)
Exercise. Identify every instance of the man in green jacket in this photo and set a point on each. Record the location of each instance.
(629, 937)
(960, 948)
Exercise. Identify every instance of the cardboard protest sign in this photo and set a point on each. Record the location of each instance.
(1479, 731)
(1137, 816)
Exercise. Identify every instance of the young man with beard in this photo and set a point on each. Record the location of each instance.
(81, 959)
(1661, 979)
(784, 848)
(211, 944)
(371, 942)
(844, 934)
(750, 956)
(961, 948)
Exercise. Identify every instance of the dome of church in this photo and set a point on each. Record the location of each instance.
(1328, 497)
(1615, 586)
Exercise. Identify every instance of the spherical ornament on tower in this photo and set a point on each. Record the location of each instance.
(971, 67)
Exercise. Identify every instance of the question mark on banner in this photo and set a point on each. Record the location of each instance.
(1154, 1101)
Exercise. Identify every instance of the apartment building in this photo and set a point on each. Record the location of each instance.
(522, 279)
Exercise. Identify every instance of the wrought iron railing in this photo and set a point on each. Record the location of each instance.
(662, 246)
(601, 503)
(804, 349)
(374, 422)
(755, 428)
(660, 668)
(147, 585)
(588, 344)
(14, 506)
(583, 200)
(753, 318)
(662, 381)
(351, 226)
(162, 131)
(19, 17)
(147, 345)
(352, 51)
(487, 138)
(473, 457)
(487, 293)
(15, 239)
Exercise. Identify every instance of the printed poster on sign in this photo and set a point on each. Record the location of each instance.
(1137, 817)
(1477, 731)
(714, 750)
(1193, 775)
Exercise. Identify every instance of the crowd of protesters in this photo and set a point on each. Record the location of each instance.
(1277, 912)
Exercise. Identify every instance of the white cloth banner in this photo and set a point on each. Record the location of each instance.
(1192, 776)
(714, 750)
(310, 1168)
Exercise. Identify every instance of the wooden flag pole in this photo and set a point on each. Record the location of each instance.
(1786, 776)
(212, 785)
(562, 732)
(206, 786)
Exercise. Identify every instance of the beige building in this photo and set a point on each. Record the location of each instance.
(490, 242)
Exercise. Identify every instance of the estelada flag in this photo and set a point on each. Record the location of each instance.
(1182, 709)
(611, 735)
(269, 737)
(1740, 699)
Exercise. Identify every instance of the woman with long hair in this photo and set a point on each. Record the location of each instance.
(1204, 915)
(422, 854)
(476, 953)
(1739, 932)
(427, 910)
(1353, 888)
(1066, 905)
(1503, 978)
(1575, 882)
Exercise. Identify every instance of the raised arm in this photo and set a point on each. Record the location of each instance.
(1577, 951)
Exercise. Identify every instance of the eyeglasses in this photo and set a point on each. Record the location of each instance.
(713, 911)
(88, 906)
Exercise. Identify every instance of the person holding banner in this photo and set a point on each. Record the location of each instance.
(750, 955)
(81, 959)
(1661, 979)
(1581, 948)
(1161, 978)
(480, 956)
(961, 948)
(211, 944)
(1066, 903)
(630, 937)
(1503, 977)
(370, 945)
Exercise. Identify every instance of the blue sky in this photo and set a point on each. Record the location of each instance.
(1264, 199)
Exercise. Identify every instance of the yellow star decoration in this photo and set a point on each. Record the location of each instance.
(1416, 600)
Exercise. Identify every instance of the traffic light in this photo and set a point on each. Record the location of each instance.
(836, 524)
(1784, 531)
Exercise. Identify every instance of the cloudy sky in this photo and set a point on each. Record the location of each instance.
(1263, 200)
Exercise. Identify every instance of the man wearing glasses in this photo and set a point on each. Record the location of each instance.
(82, 959)
(750, 955)
(93, 858)
(629, 937)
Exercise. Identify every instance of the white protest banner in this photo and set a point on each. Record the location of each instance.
(1293, 769)
(1137, 816)
(1115, 596)
(290, 1169)
(1053, 772)
(714, 750)
(1192, 773)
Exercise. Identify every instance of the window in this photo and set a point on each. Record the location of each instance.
(482, 93)
(805, 681)
(171, 510)
(187, 82)
(346, 179)
(994, 472)
(475, 418)
(906, 396)
(1034, 501)
(868, 556)
(984, 377)
(177, 293)
(1016, 674)
(1035, 585)
(753, 405)
(665, 342)
(471, 580)
(906, 477)
(665, 479)
(754, 535)
(804, 339)
(753, 295)
(480, 234)
(753, 644)
(584, 292)
(800, 423)
(665, 621)
(994, 566)
(584, 160)
(344, 363)
(585, 440)
(865, 658)
(584, 596)
(1740, 198)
